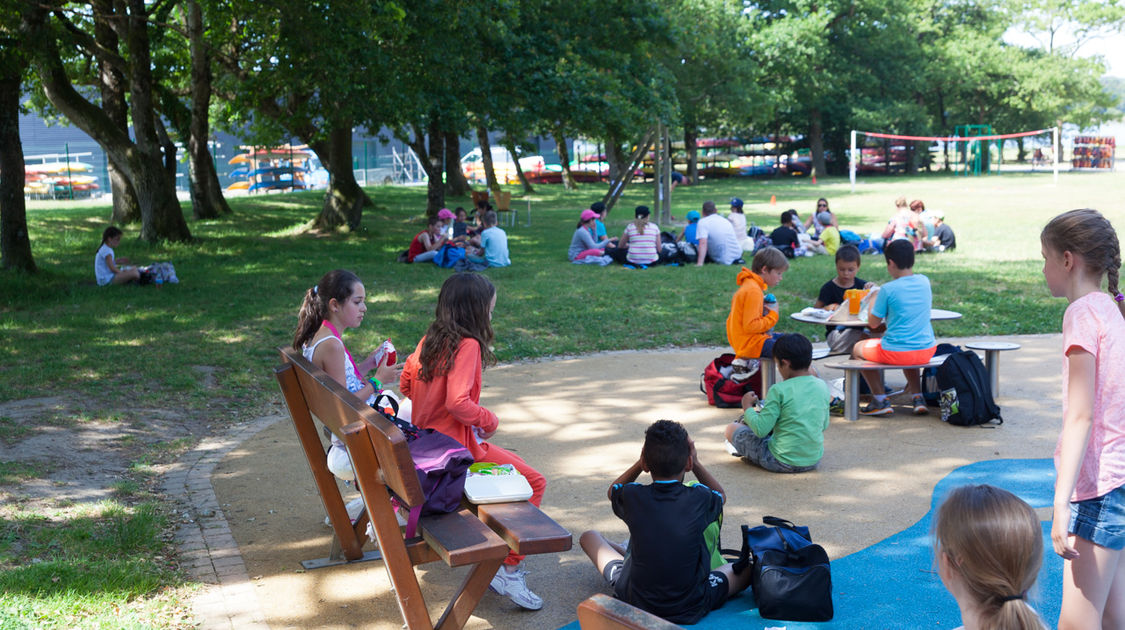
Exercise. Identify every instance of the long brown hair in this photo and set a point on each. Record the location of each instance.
(338, 285)
(1090, 236)
(994, 541)
(462, 311)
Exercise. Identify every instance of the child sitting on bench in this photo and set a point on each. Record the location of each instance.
(787, 434)
(904, 305)
(666, 569)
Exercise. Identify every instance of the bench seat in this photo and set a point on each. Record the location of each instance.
(525, 528)
(852, 368)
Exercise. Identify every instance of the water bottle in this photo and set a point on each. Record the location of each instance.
(159, 280)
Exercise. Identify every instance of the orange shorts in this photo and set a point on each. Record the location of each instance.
(872, 350)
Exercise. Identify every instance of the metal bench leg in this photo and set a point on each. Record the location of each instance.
(769, 374)
(851, 395)
(992, 364)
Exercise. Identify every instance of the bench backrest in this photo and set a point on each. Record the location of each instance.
(310, 388)
(602, 612)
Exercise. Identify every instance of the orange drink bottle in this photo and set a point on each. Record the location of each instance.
(855, 296)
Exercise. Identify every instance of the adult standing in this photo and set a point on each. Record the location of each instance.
(717, 240)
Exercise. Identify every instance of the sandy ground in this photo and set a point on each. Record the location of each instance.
(581, 421)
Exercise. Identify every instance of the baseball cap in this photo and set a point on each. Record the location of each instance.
(589, 214)
(736, 202)
(693, 216)
(446, 213)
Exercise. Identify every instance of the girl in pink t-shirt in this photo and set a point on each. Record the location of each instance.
(1088, 529)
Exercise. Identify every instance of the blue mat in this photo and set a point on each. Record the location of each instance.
(894, 583)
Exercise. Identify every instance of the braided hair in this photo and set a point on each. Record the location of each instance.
(1090, 236)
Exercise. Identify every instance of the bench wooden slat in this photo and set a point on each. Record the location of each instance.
(525, 527)
(461, 538)
(602, 612)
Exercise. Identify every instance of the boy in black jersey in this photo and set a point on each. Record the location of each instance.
(841, 339)
(666, 569)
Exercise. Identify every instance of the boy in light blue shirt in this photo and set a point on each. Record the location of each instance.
(903, 305)
(494, 242)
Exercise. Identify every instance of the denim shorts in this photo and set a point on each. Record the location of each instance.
(1100, 520)
(756, 450)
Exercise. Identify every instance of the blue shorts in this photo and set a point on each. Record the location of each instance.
(1100, 520)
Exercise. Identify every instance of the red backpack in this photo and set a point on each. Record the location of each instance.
(723, 392)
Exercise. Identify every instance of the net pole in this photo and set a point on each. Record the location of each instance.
(851, 165)
(1055, 144)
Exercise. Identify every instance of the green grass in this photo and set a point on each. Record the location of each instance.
(13, 472)
(120, 350)
(243, 279)
(101, 567)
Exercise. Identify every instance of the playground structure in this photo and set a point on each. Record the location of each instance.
(264, 169)
(58, 176)
(972, 144)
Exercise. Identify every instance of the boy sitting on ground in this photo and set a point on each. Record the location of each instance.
(666, 569)
(904, 305)
(841, 339)
(787, 434)
(493, 241)
(753, 312)
(785, 237)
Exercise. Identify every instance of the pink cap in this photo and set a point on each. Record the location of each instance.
(588, 214)
(446, 213)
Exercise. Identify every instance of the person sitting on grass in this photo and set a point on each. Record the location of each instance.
(753, 314)
(785, 237)
(493, 241)
(787, 434)
(583, 248)
(641, 240)
(666, 568)
(717, 241)
(106, 269)
(943, 239)
(829, 236)
(428, 242)
(841, 339)
(903, 304)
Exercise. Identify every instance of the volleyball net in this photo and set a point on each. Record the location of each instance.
(966, 146)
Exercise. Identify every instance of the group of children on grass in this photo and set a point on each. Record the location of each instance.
(988, 543)
(485, 244)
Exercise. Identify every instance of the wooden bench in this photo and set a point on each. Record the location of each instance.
(769, 368)
(852, 368)
(381, 460)
(992, 350)
(602, 612)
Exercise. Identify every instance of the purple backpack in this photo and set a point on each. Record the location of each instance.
(441, 462)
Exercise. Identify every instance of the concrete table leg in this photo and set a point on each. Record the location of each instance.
(769, 374)
(992, 364)
(851, 395)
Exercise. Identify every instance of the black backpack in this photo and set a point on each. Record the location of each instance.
(930, 390)
(966, 395)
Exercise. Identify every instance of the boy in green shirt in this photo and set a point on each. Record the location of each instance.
(787, 435)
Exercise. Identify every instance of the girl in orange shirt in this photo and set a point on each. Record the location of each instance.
(443, 379)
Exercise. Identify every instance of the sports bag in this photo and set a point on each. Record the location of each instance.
(441, 463)
(791, 576)
(721, 391)
(966, 393)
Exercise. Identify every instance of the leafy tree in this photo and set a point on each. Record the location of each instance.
(15, 244)
(55, 37)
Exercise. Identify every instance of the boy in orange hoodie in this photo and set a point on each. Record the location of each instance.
(753, 312)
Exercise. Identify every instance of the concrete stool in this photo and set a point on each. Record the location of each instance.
(992, 350)
(769, 368)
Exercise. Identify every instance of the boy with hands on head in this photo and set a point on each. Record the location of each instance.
(666, 568)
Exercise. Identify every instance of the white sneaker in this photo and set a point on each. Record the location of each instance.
(353, 507)
(514, 585)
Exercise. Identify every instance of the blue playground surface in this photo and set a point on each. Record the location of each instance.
(894, 583)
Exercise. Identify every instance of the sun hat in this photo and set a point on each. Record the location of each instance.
(693, 216)
(446, 213)
(588, 214)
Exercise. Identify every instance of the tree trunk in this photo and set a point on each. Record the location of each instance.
(691, 146)
(486, 158)
(564, 161)
(15, 244)
(816, 142)
(207, 201)
(344, 200)
(527, 189)
(111, 85)
(617, 159)
(455, 183)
